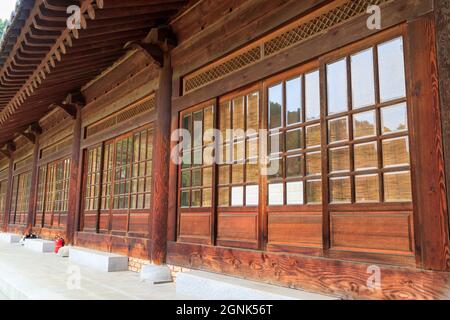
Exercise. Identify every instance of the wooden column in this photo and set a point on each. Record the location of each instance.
(74, 183)
(33, 185)
(442, 21)
(8, 194)
(161, 163)
(430, 199)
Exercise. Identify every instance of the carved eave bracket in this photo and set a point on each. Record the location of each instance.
(159, 41)
(71, 104)
(10, 148)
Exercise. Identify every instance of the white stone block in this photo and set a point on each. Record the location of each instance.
(63, 252)
(9, 238)
(103, 261)
(210, 286)
(156, 274)
(40, 245)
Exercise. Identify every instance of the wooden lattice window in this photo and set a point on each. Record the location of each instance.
(118, 186)
(53, 194)
(196, 170)
(238, 183)
(20, 198)
(294, 143)
(3, 187)
(367, 123)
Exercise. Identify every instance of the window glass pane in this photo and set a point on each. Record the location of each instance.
(206, 201)
(224, 197)
(209, 124)
(276, 195)
(239, 151)
(294, 139)
(251, 195)
(294, 166)
(366, 156)
(363, 90)
(237, 173)
(337, 86)
(237, 196)
(394, 118)
(391, 70)
(186, 179)
(395, 152)
(275, 143)
(338, 130)
(198, 128)
(225, 120)
(313, 136)
(340, 190)
(294, 192)
(196, 198)
(252, 148)
(313, 163)
(253, 111)
(252, 174)
(367, 188)
(207, 177)
(397, 186)
(224, 174)
(312, 95)
(275, 106)
(184, 199)
(197, 177)
(275, 169)
(339, 159)
(238, 113)
(314, 191)
(364, 124)
(293, 101)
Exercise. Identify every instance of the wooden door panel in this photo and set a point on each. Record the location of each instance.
(237, 229)
(195, 227)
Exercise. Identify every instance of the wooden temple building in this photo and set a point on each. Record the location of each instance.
(361, 114)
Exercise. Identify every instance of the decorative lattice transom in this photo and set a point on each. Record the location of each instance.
(121, 116)
(222, 69)
(294, 34)
(319, 24)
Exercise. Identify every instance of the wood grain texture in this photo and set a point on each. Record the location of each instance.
(5, 220)
(442, 21)
(429, 173)
(335, 277)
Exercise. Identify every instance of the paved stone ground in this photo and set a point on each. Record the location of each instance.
(25, 274)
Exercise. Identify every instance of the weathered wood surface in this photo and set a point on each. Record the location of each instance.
(442, 21)
(428, 170)
(336, 277)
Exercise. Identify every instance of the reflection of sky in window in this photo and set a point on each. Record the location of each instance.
(293, 100)
(363, 93)
(312, 95)
(337, 87)
(391, 69)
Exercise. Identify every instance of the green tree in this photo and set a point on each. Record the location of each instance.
(2, 27)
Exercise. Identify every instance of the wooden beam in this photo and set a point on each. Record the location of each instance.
(75, 177)
(70, 109)
(29, 136)
(161, 161)
(428, 174)
(152, 51)
(33, 184)
(442, 21)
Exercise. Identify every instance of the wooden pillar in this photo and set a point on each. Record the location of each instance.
(74, 183)
(430, 205)
(161, 163)
(33, 185)
(8, 194)
(442, 21)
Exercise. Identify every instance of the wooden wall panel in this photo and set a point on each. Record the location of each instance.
(195, 227)
(237, 229)
(372, 231)
(294, 229)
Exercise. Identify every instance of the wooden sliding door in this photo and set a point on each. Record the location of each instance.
(117, 191)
